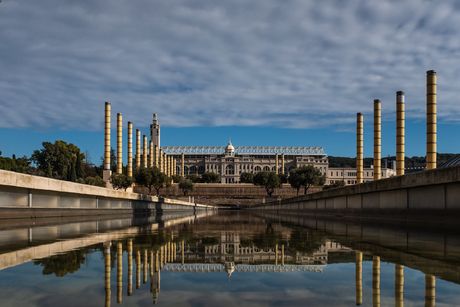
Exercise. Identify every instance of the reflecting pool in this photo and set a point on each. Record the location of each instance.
(226, 259)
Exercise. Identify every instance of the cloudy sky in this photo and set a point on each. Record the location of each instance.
(240, 65)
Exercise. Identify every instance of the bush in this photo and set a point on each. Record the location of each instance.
(269, 180)
(246, 178)
(121, 181)
(210, 178)
(186, 185)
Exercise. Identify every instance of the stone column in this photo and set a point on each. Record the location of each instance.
(107, 263)
(182, 165)
(276, 254)
(359, 278)
(138, 269)
(130, 267)
(151, 153)
(400, 133)
(399, 285)
(359, 148)
(107, 171)
(376, 281)
(277, 171)
(119, 143)
(282, 254)
(431, 120)
(377, 139)
(119, 272)
(145, 265)
(282, 164)
(157, 261)
(129, 167)
(138, 149)
(430, 291)
(155, 155)
(182, 249)
(144, 152)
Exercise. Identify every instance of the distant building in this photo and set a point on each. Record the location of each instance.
(348, 174)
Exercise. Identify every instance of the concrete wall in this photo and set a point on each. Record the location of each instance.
(26, 195)
(437, 190)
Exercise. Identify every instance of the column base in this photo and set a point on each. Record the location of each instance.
(106, 175)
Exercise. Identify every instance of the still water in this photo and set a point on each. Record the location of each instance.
(226, 259)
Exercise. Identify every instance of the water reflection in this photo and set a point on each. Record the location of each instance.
(237, 245)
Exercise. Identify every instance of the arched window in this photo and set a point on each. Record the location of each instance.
(257, 169)
(266, 168)
(193, 169)
(186, 170)
(229, 170)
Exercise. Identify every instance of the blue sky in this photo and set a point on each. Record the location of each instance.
(263, 72)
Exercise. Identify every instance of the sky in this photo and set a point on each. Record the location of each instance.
(261, 72)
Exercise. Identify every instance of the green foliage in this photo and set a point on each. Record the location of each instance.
(121, 181)
(269, 180)
(20, 165)
(176, 178)
(152, 178)
(337, 184)
(267, 240)
(210, 177)
(59, 160)
(194, 178)
(305, 176)
(283, 178)
(96, 180)
(207, 241)
(247, 178)
(61, 265)
(186, 185)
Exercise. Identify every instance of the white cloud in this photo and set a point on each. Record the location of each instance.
(290, 63)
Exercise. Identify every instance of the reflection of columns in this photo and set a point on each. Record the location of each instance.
(282, 164)
(400, 133)
(145, 266)
(119, 272)
(130, 267)
(399, 285)
(161, 256)
(282, 254)
(277, 171)
(157, 261)
(107, 263)
(144, 152)
(376, 281)
(107, 137)
(377, 139)
(431, 120)
(276, 254)
(151, 264)
(138, 269)
(430, 291)
(129, 166)
(182, 248)
(182, 165)
(359, 148)
(359, 278)
(119, 143)
(138, 149)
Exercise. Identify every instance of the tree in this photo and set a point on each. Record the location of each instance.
(210, 177)
(152, 178)
(121, 181)
(186, 185)
(20, 165)
(59, 160)
(283, 178)
(305, 176)
(96, 181)
(269, 180)
(194, 178)
(247, 178)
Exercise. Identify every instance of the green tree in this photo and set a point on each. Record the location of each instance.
(186, 186)
(194, 178)
(59, 160)
(152, 178)
(121, 181)
(20, 165)
(283, 178)
(306, 177)
(210, 177)
(247, 178)
(269, 180)
(96, 181)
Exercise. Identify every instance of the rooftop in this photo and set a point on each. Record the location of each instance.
(245, 150)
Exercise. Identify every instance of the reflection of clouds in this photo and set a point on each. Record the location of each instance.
(231, 63)
(24, 285)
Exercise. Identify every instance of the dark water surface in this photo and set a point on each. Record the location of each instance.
(227, 259)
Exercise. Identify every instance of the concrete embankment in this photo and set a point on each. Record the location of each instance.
(434, 193)
(24, 195)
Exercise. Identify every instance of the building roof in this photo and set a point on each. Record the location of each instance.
(245, 150)
(455, 161)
